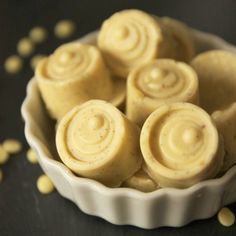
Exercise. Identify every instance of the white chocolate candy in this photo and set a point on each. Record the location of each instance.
(12, 146)
(97, 141)
(217, 79)
(157, 82)
(226, 217)
(141, 181)
(132, 37)
(13, 64)
(72, 75)
(38, 34)
(180, 145)
(226, 123)
(182, 34)
(25, 47)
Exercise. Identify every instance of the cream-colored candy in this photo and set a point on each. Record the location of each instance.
(74, 74)
(182, 35)
(25, 47)
(141, 181)
(35, 60)
(217, 79)
(38, 34)
(97, 141)
(44, 184)
(131, 38)
(226, 123)
(32, 156)
(64, 28)
(157, 82)
(226, 217)
(13, 64)
(180, 145)
(4, 156)
(12, 146)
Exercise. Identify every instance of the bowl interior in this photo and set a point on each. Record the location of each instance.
(40, 128)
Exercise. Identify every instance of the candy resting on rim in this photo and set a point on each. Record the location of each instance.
(157, 82)
(73, 74)
(97, 141)
(216, 72)
(226, 123)
(182, 35)
(141, 181)
(132, 37)
(180, 145)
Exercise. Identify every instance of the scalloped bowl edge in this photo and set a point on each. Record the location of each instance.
(164, 207)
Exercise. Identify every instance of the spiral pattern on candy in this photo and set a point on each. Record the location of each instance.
(130, 38)
(96, 141)
(157, 82)
(73, 74)
(70, 61)
(180, 145)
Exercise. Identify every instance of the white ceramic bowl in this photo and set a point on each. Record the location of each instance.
(164, 207)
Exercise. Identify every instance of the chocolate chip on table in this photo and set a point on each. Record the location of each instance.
(38, 34)
(44, 184)
(13, 64)
(12, 146)
(64, 29)
(226, 217)
(25, 47)
(4, 156)
(31, 156)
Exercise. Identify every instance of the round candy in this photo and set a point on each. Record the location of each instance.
(131, 38)
(216, 72)
(158, 82)
(97, 141)
(180, 145)
(72, 75)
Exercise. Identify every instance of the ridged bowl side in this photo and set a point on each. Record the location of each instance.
(164, 207)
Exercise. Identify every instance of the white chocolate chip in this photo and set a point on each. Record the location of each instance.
(44, 184)
(38, 34)
(226, 217)
(13, 64)
(25, 47)
(35, 60)
(12, 146)
(31, 156)
(64, 28)
(4, 156)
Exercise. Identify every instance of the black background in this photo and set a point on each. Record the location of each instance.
(24, 211)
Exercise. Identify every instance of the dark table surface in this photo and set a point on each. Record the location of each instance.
(23, 210)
